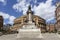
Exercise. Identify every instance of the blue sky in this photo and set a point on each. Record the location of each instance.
(12, 9)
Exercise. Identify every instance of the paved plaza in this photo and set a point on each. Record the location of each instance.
(46, 36)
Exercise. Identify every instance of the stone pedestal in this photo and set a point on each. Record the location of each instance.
(29, 26)
(29, 33)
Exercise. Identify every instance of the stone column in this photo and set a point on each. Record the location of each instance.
(30, 18)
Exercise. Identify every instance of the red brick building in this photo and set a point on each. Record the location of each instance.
(50, 27)
(1, 22)
(57, 14)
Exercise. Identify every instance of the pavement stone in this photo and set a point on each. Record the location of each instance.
(46, 36)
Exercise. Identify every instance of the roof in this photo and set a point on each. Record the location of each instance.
(25, 16)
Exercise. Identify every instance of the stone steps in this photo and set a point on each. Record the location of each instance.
(46, 36)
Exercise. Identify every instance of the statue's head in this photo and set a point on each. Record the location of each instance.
(29, 8)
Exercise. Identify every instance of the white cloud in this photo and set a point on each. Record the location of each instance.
(11, 19)
(21, 6)
(45, 10)
(3, 1)
(7, 16)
